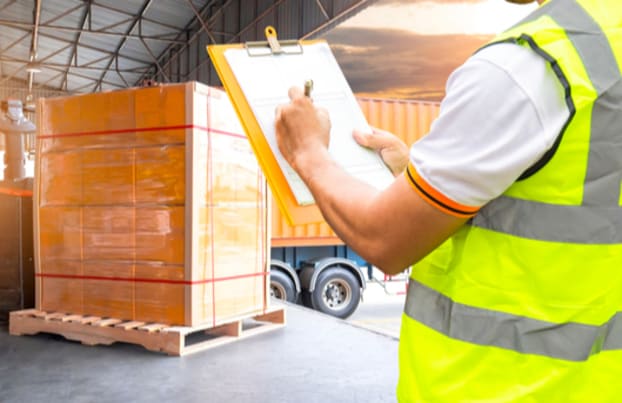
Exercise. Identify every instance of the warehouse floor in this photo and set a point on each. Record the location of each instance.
(314, 358)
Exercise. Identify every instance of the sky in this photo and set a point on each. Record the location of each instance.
(408, 48)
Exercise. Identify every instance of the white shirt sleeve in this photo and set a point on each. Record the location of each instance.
(503, 110)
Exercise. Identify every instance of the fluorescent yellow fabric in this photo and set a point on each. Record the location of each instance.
(447, 370)
(562, 178)
(543, 280)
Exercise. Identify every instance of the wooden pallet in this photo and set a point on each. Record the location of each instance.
(173, 340)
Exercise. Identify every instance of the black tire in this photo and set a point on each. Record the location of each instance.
(337, 292)
(282, 287)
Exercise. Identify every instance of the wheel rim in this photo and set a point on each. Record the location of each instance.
(277, 291)
(337, 294)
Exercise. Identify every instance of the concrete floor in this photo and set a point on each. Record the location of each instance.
(382, 307)
(315, 358)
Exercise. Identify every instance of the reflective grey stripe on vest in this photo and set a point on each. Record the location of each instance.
(549, 222)
(566, 341)
(586, 223)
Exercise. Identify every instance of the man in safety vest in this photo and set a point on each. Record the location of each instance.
(510, 209)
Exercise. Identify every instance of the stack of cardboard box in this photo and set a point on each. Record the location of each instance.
(149, 206)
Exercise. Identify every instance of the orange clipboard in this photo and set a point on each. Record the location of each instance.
(282, 64)
(294, 212)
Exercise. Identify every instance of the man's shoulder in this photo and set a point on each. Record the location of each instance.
(516, 60)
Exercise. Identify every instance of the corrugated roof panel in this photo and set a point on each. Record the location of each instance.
(88, 74)
(79, 85)
(18, 11)
(59, 13)
(54, 52)
(136, 49)
(229, 20)
(171, 12)
(19, 46)
(125, 6)
(9, 36)
(91, 43)
(10, 68)
(65, 13)
(91, 59)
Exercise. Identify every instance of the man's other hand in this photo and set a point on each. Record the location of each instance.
(393, 151)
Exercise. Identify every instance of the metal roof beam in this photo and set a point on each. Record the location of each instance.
(23, 67)
(155, 60)
(116, 69)
(185, 30)
(63, 14)
(9, 46)
(322, 9)
(107, 27)
(8, 4)
(46, 35)
(194, 35)
(133, 25)
(54, 77)
(136, 70)
(101, 32)
(133, 16)
(248, 26)
(200, 19)
(74, 51)
(337, 17)
(33, 46)
(88, 85)
(97, 80)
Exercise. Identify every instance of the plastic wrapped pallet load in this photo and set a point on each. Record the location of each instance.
(149, 206)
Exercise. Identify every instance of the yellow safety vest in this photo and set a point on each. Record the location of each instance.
(524, 303)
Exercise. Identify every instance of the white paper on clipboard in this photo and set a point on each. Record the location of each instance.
(265, 80)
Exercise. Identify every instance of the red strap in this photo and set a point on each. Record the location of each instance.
(15, 192)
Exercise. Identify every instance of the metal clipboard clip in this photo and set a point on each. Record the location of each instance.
(273, 46)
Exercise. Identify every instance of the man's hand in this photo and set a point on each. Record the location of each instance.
(392, 150)
(301, 129)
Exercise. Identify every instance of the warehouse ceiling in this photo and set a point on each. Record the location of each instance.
(94, 45)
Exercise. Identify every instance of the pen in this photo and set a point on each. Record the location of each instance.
(308, 88)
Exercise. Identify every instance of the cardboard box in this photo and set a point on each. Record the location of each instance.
(149, 206)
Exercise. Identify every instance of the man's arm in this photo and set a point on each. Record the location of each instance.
(390, 229)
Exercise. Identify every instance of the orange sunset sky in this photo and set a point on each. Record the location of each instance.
(407, 48)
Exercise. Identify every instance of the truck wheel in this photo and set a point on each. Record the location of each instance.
(337, 292)
(282, 287)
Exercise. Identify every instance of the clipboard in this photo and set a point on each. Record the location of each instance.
(242, 84)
